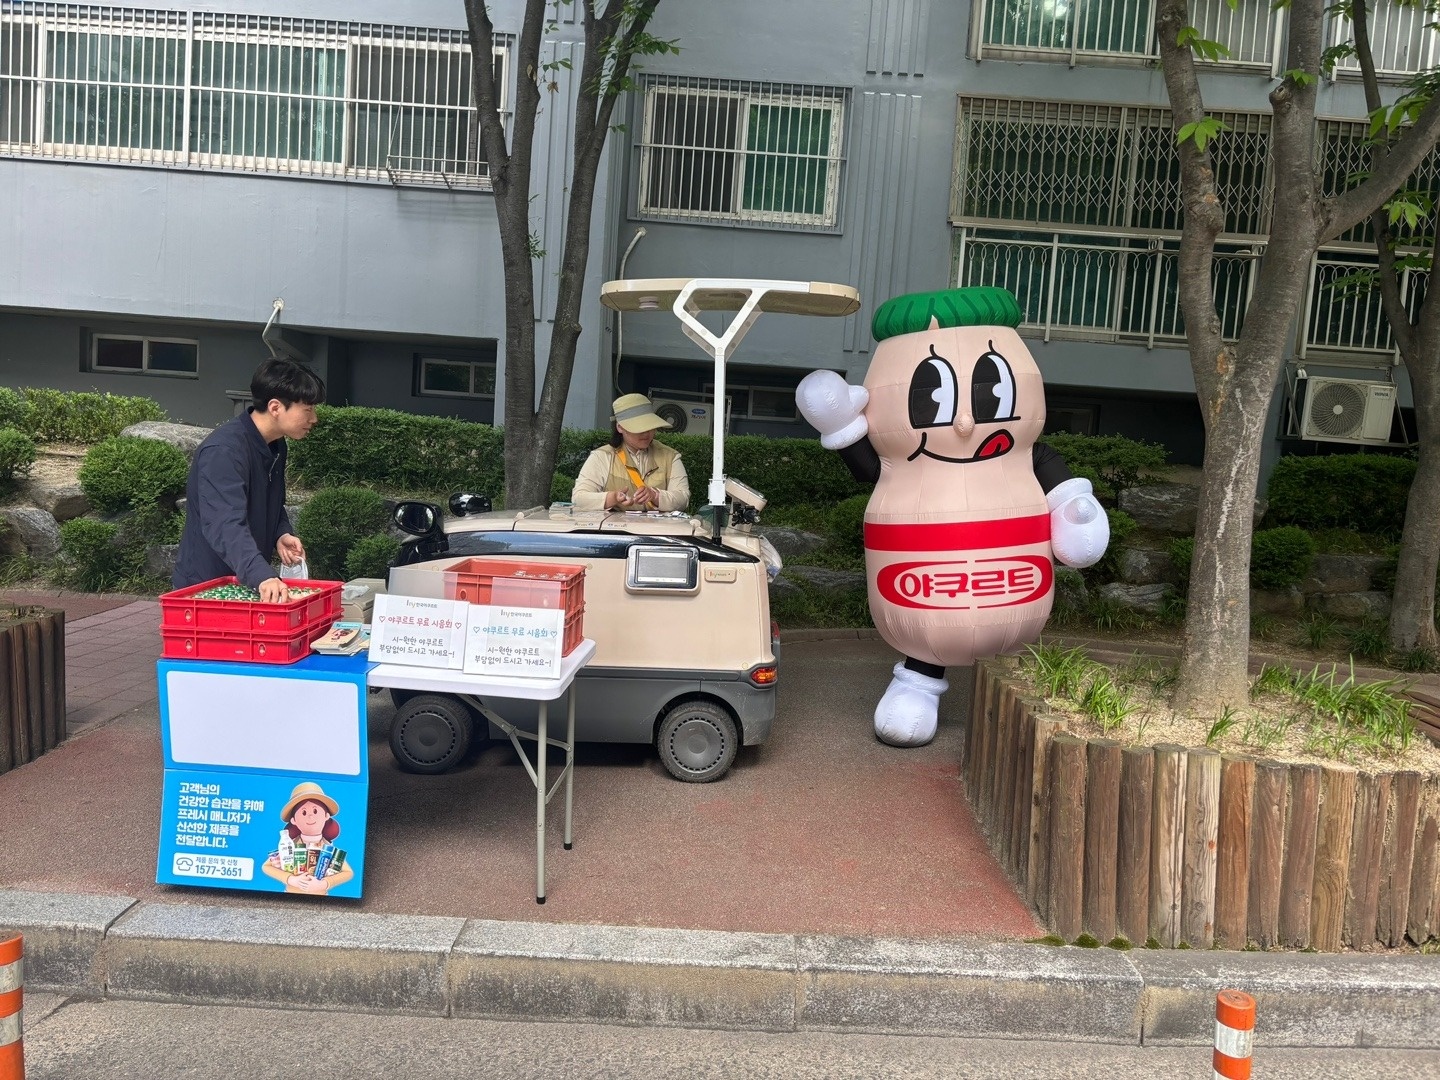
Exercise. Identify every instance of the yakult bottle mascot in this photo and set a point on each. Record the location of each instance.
(968, 508)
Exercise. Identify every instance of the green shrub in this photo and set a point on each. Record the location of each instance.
(846, 524)
(1280, 557)
(1112, 463)
(94, 557)
(72, 416)
(17, 454)
(371, 556)
(1363, 492)
(352, 445)
(331, 523)
(127, 473)
(561, 488)
(1182, 554)
(13, 408)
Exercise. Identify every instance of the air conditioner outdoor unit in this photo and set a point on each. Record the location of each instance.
(686, 417)
(1347, 410)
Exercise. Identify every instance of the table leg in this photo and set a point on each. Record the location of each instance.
(540, 792)
(569, 762)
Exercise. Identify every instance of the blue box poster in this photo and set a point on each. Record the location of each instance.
(266, 779)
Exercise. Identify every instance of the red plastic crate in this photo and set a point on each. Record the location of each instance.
(241, 646)
(181, 610)
(521, 584)
(574, 632)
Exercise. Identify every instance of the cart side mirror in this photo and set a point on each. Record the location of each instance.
(417, 518)
(463, 503)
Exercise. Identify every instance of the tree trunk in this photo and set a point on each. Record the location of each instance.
(1412, 616)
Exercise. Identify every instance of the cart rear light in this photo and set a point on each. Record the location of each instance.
(774, 629)
(765, 676)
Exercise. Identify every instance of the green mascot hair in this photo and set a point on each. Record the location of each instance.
(978, 305)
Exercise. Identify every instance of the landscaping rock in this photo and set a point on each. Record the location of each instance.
(1289, 601)
(1142, 566)
(28, 530)
(1169, 508)
(1147, 598)
(160, 560)
(62, 501)
(1332, 574)
(1070, 588)
(184, 437)
(788, 542)
(822, 578)
(1356, 605)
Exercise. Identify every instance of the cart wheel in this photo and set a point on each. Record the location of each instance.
(697, 741)
(430, 733)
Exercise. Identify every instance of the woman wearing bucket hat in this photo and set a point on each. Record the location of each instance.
(310, 825)
(634, 472)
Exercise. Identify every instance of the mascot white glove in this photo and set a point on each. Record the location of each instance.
(834, 408)
(1079, 529)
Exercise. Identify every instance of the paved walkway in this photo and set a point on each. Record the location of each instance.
(828, 883)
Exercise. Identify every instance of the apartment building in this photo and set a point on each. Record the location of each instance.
(169, 171)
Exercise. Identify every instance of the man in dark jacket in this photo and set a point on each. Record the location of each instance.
(235, 497)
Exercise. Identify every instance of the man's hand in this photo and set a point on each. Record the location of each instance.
(274, 591)
(290, 549)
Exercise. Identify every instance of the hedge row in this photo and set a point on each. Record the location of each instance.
(72, 416)
(405, 452)
(1362, 492)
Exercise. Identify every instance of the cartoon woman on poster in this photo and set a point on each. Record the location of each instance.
(306, 860)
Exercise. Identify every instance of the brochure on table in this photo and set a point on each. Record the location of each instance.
(266, 775)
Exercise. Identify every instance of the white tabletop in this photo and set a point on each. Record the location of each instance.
(451, 681)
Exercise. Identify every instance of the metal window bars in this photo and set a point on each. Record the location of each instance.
(1402, 40)
(725, 151)
(1097, 165)
(1092, 31)
(1125, 289)
(241, 92)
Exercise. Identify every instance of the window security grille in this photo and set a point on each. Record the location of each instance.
(255, 93)
(1109, 166)
(741, 152)
(1105, 30)
(1401, 39)
(1340, 317)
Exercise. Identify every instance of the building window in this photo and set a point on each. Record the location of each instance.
(757, 402)
(247, 92)
(1109, 30)
(144, 355)
(741, 153)
(440, 377)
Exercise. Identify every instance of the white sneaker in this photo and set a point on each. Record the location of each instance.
(908, 713)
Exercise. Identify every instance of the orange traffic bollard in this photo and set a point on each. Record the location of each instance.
(12, 994)
(1234, 1034)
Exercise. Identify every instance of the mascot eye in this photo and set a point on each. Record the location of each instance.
(992, 389)
(933, 393)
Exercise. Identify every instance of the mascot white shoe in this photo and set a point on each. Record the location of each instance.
(909, 710)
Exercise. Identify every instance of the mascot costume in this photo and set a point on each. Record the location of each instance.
(968, 508)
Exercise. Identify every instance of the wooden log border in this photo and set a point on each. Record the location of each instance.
(1185, 847)
(32, 687)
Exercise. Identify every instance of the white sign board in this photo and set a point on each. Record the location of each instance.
(418, 631)
(514, 641)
